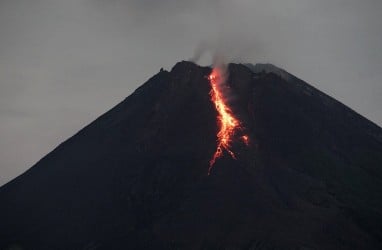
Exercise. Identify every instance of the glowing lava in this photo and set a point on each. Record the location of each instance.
(228, 124)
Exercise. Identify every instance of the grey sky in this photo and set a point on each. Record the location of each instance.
(64, 63)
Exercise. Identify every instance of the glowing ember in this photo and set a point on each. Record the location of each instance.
(227, 122)
(245, 139)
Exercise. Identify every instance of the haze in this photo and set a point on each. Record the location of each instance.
(64, 63)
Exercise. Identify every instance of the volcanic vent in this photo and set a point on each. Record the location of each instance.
(137, 177)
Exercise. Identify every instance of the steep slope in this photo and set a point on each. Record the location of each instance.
(137, 176)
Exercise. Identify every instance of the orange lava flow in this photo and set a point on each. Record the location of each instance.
(228, 124)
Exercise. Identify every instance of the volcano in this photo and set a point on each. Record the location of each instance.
(137, 177)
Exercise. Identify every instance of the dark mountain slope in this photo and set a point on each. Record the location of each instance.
(136, 178)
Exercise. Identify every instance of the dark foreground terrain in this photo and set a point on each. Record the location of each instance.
(136, 178)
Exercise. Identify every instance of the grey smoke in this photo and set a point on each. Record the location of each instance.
(201, 49)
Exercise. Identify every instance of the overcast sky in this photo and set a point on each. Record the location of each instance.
(65, 62)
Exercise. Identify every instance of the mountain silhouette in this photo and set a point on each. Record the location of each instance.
(137, 177)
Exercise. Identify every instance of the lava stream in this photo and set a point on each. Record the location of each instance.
(228, 124)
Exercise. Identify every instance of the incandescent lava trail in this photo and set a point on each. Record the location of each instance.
(228, 123)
